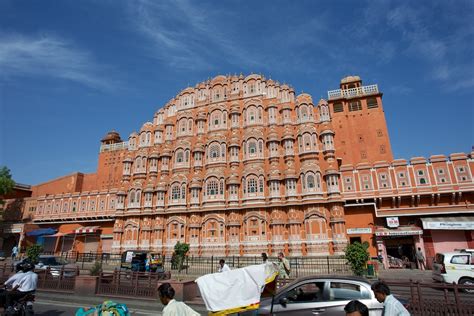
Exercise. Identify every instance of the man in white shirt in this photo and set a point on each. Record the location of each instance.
(173, 307)
(23, 285)
(391, 306)
(223, 266)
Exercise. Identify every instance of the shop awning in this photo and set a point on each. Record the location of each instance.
(449, 222)
(399, 231)
(59, 234)
(41, 232)
(87, 230)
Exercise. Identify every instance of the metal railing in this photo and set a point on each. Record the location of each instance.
(128, 283)
(435, 298)
(61, 280)
(300, 266)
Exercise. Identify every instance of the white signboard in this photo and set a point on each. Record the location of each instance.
(356, 231)
(449, 225)
(393, 222)
(129, 256)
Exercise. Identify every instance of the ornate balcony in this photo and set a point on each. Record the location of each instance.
(353, 93)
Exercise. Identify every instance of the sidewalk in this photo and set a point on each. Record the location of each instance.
(406, 275)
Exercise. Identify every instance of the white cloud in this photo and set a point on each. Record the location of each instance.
(47, 55)
(186, 36)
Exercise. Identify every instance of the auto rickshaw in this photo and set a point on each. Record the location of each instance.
(136, 260)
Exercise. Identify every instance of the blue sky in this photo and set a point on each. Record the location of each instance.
(72, 70)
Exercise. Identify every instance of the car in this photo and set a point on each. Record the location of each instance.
(55, 265)
(320, 295)
(457, 267)
(2, 255)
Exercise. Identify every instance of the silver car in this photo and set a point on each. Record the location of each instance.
(320, 295)
(55, 266)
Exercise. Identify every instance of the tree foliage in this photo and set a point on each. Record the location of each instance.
(357, 256)
(180, 251)
(33, 252)
(6, 182)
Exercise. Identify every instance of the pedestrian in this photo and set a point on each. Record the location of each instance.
(264, 257)
(148, 263)
(356, 308)
(283, 266)
(223, 267)
(391, 306)
(14, 252)
(420, 259)
(173, 307)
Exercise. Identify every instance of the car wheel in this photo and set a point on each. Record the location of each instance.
(467, 281)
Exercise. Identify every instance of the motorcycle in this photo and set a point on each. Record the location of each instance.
(22, 307)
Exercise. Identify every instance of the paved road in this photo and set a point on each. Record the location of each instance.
(50, 308)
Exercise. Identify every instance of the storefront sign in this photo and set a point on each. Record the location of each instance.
(449, 225)
(393, 222)
(356, 231)
(396, 232)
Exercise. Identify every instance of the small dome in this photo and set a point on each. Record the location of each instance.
(350, 79)
(111, 138)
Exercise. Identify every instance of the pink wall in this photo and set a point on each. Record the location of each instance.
(448, 240)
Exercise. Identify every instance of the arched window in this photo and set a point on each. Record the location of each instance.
(179, 156)
(252, 147)
(131, 197)
(183, 191)
(304, 113)
(175, 192)
(182, 126)
(214, 151)
(138, 163)
(307, 142)
(252, 185)
(212, 187)
(190, 125)
(310, 183)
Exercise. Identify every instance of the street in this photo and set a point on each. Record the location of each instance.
(52, 308)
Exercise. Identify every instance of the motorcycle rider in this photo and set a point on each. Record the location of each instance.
(10, 283)
(24, 285)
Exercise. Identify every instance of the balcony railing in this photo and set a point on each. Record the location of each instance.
(113, 147)
(353, 92)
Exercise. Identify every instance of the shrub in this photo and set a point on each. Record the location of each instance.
(180, 251)
(33, 252)
(357, 256)
(96, 268)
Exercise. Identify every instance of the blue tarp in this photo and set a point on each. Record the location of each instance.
(42, 231)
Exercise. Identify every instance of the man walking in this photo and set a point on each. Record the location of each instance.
(391, 306)
(283, 266)
(420, 259)
(223, 267)
(14, 252)
(173, 307)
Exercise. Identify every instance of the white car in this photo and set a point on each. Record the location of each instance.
(457, 267)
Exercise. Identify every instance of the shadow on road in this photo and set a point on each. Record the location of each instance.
(51, 312)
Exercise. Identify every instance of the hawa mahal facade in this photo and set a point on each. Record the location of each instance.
(241, 165)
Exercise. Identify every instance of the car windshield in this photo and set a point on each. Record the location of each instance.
(52, 261)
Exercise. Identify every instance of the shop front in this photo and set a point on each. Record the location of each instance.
(447, 233)
(397, 245)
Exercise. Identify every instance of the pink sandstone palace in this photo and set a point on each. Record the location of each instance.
(241, 165)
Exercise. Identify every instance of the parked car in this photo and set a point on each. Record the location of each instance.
(55, 265)
(321, 295)
(2, 255)
(457, 267)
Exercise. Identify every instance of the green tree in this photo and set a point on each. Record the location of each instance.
(33, 252)
(180, 251)
(357, 256)
(6, 183)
